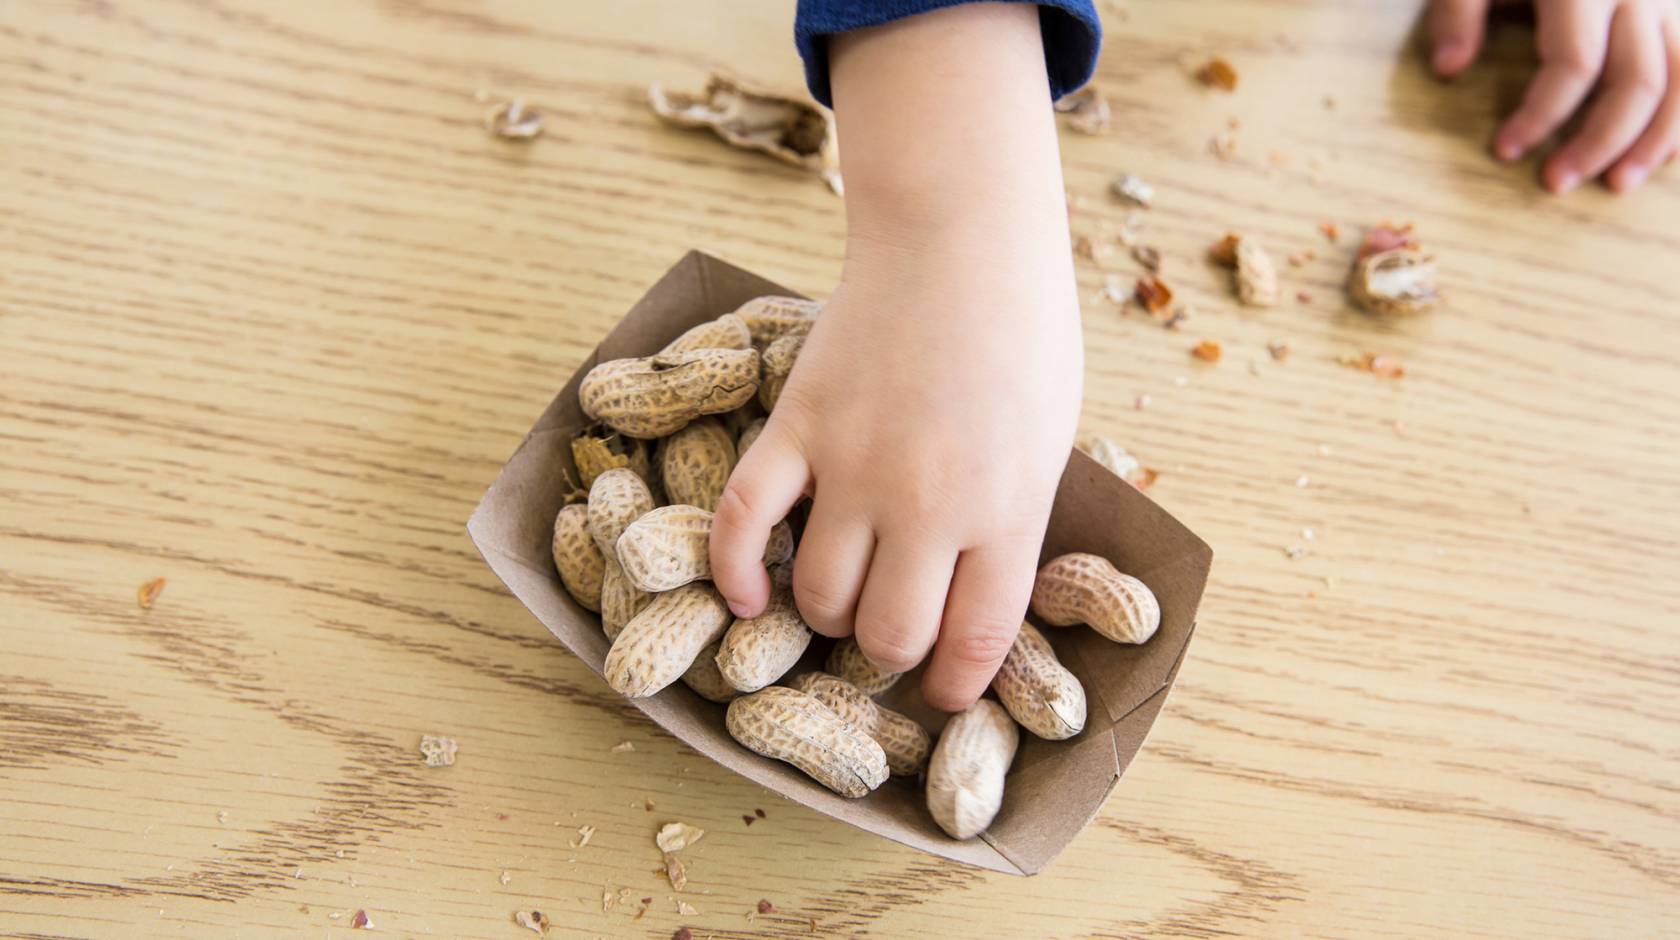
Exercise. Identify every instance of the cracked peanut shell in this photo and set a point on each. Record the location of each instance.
(1039, 692)
(658, 395)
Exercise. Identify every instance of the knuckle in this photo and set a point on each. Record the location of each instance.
(820, 603)
(984, 642)
(736, 507)
(1575, 60)
(888, 645)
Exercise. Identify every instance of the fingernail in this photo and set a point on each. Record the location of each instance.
(1565, 181)
(1507, 150)
(1631, 178)
(738, 609)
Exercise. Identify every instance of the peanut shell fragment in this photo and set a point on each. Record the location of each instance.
(1399, 282)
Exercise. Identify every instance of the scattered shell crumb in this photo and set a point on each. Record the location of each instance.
(1278, 349)
(585, 833)
(1302, 481)
(1145, 478)
(534, 921)
(1142, 401)
(1304, 296)
(686, 909)
(1147, 255)
(1153, 294)
(765, 907)
(623, 747)
(438, 751)
(1295, 551)
(513, 120)
(683, 933)
(1223, 145)
(676, 872)
(1307, 533)
(1133, 189)
(149, 592)
(1218, 73)
(1181, 380)
(505, 878)
(1331, 231)
(1087, 111)
(676, 836)
(1377, 364)
(1207, 350)
(361, 921)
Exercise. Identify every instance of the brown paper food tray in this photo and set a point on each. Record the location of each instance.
(1054, 788)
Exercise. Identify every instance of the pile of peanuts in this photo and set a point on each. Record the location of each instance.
(632, 545)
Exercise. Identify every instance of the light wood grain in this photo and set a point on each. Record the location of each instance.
(274, 309)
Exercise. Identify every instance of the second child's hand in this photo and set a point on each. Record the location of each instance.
(1628, 49)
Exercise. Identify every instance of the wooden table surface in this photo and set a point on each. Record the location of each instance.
(274, 309)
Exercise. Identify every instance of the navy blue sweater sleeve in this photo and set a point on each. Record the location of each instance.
(1072, 35)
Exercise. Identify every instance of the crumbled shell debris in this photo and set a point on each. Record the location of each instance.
(361, 921)
(534, 921)
(676, 836)
(765, 907)
(513, 120)
(1207, 350)
(438, 751)
(149, 592)
(1218, 73)
(585, 833)
(623, 747)
(675, 872)
(1133, 189)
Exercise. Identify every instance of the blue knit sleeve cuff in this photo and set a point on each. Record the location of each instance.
(1072, 35)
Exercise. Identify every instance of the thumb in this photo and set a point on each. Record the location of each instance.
(1456, 28)
(770, 478)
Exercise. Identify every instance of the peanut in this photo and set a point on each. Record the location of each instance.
(726, 332)
(788, 725)
(620, 600)
(658, 645)
(1084, 588)
(759, 650)
(705, 679)
(749, 434)
(847, 661)
(668, 547)
(618, 498)
(576, 556)
(966, 773)
(1039, 692)
(658, 395)
(770, 317)
(777, 361)
(696, 463)
(905, 742)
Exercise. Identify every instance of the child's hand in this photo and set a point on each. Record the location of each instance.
(1630, 49)
(931, 411)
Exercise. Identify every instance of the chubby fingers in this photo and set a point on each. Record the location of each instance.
(1572, 37)
(833, 559)
(1635, 81)
(1456, 28)
(903, 599)
(772, 475)
(988, 599)
(1661, 137)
